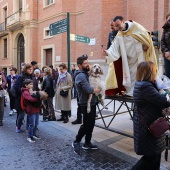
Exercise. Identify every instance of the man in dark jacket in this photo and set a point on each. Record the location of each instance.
(84, 89)
(112, 34)
(3, 83)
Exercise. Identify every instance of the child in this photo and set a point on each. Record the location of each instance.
(32, 110)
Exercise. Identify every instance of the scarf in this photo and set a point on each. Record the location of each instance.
(62, 77)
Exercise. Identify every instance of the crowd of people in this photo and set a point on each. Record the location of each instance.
(32, 92)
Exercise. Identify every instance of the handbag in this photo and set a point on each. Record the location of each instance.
(12, 91)
(64, 93)
(158, 127)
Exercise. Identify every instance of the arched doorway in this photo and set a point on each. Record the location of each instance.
(20, 51)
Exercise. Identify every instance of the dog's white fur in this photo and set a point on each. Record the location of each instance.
(96, 82)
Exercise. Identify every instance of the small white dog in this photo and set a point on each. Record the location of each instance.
(96, 82)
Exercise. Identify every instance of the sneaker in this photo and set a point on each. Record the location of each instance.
(11, 113)
(30, 140)
(1, 123)
(36, 137)
(76, 147)
(18, 130)
(76, 122)
(14, 111)
(66, 120)
(89, 146)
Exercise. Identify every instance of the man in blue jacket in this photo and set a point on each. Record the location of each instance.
(84, 89)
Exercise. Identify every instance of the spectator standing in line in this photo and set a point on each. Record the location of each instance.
(31, 110)
(165, 45)
(148, 108)
(63, 103)
(84, 89)
(26, 74)
(47, 86)
(11, 81)
(3, 83)
(54, 76)
(73, 90)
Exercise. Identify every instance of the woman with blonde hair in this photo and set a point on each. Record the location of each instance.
(148, 108)
(165, 44)
(65, 84)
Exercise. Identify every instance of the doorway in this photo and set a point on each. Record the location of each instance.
(49, 56)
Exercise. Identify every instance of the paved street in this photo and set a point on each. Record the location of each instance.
(52, 152)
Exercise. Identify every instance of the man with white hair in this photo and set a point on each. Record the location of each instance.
(37, 80)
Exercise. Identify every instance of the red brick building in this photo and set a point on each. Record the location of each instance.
(24, 27)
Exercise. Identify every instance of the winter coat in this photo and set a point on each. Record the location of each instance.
(165, 40)
(63, 103)
(84, 88)
(18, 85)
(112, 35)
(9, 81)
(149, 104)
(47, 86)
(29, 102)
(19, 82)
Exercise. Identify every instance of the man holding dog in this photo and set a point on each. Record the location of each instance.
(134, 44)
(84, 89)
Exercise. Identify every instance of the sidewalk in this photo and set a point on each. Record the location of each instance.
(113, 143)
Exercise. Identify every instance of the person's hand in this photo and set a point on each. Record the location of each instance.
(144, 47)
(96, 90)
(104, 52)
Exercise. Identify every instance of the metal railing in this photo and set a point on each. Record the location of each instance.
(14, 17)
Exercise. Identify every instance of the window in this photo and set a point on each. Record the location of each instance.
(5, 48)
(47, 2)
(47, 33)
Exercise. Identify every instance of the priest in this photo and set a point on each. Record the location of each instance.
(134, 44)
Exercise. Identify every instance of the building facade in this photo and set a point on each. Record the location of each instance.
(25, 35)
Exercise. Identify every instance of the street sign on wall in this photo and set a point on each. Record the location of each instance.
(79, 38)
(58, 27)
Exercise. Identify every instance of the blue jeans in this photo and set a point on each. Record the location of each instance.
(20, 118)
(167, 67)
(33, 120)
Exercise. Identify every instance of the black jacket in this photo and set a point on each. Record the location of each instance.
(47, 86)
(112, 35)
(149, 104)
(84, 88)
(165, 40)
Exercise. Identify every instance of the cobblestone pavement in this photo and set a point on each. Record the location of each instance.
(52, 152)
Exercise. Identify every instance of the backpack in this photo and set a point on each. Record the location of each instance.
(23, 103)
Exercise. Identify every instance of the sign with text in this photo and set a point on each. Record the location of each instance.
(58, 27)
(79, 38)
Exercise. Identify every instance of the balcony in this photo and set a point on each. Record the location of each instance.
(14, 21)
(3, 30)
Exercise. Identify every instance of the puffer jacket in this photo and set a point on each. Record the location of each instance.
(148, 106)
(165, 40)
